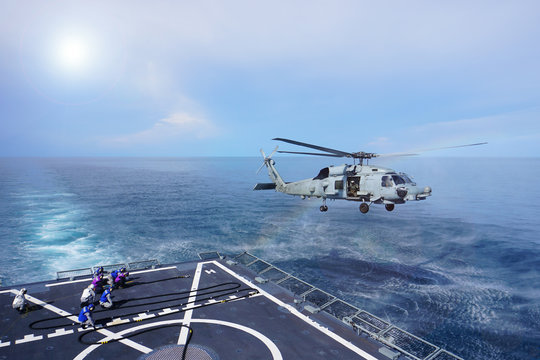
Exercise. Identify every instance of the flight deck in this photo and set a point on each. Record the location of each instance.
(215, 308)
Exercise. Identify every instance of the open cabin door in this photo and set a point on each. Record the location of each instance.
(353, 186)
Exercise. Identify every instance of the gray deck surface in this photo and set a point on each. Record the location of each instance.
(230, 318)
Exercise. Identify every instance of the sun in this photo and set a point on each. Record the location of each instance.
(73, 53)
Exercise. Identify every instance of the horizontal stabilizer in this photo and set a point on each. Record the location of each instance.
(265, 186)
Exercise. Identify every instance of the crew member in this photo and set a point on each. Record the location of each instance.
(99, 271)
(85, 316)
(106, 298)
(88, 295)
(112, 276)
(97, 281)
(19, 302)
(120, 280)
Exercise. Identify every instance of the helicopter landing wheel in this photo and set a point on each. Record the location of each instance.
(364, 208)
(323, 208)
(389, 207)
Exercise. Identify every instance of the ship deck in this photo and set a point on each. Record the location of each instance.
(208, 309)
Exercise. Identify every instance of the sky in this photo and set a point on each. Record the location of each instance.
(222, 78)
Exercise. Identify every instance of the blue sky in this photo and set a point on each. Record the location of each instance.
(216, 78)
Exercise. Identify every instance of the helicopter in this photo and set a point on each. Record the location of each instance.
(367, 184)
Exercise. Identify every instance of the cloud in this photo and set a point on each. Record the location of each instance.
(177, 126)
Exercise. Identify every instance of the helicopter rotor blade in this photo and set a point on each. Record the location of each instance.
(431, 149)
(266, 158)
(307, 153)
(273, 152)
(452, 147)
(396, 154)
(316, 147)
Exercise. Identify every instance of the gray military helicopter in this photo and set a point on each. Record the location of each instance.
(367, 184)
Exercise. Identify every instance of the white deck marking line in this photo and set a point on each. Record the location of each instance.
(28, 338)
(60, 332)
(90, 279)
(184, 331)
(117, 321)
(75, 319)
(2, 344)
(298, 314)
(168, 311)
(117, 336)
(49, 307)
(143, 316)
(276, 354)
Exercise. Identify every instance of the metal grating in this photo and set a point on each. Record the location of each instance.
(210, 255)
(109, 268)
(445, 355)
(259, 266)
(373, 320)
(318, 297)
(340, 309)
(245, 258)
(296, 286)
(141, 265)
(70, 274)
(398, 339)
(274, 274)
(365, 326)
(409, 343)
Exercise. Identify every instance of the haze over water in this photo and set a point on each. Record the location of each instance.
(460, 269)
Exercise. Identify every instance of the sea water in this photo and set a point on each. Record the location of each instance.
(461, 269)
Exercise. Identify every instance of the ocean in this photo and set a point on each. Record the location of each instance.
(461, 269)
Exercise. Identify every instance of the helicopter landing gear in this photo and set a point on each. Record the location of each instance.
(389, 207)
(364, 208)
(323, 207)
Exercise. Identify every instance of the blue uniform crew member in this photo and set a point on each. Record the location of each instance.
(19, 302)
(106, 299)
(112, 276)
(85, 316)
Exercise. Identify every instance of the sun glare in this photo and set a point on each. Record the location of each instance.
(73, 54)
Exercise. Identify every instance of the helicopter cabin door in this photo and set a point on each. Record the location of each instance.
(353, 186)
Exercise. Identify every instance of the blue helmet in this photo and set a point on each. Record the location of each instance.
(91, 307)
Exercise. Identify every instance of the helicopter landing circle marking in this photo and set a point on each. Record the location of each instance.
(276, 354)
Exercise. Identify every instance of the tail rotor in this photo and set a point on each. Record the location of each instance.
(266, 158)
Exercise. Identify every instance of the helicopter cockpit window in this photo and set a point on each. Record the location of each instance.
(406, 178)
(386, 181)
(398, 179)
(323, 174)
